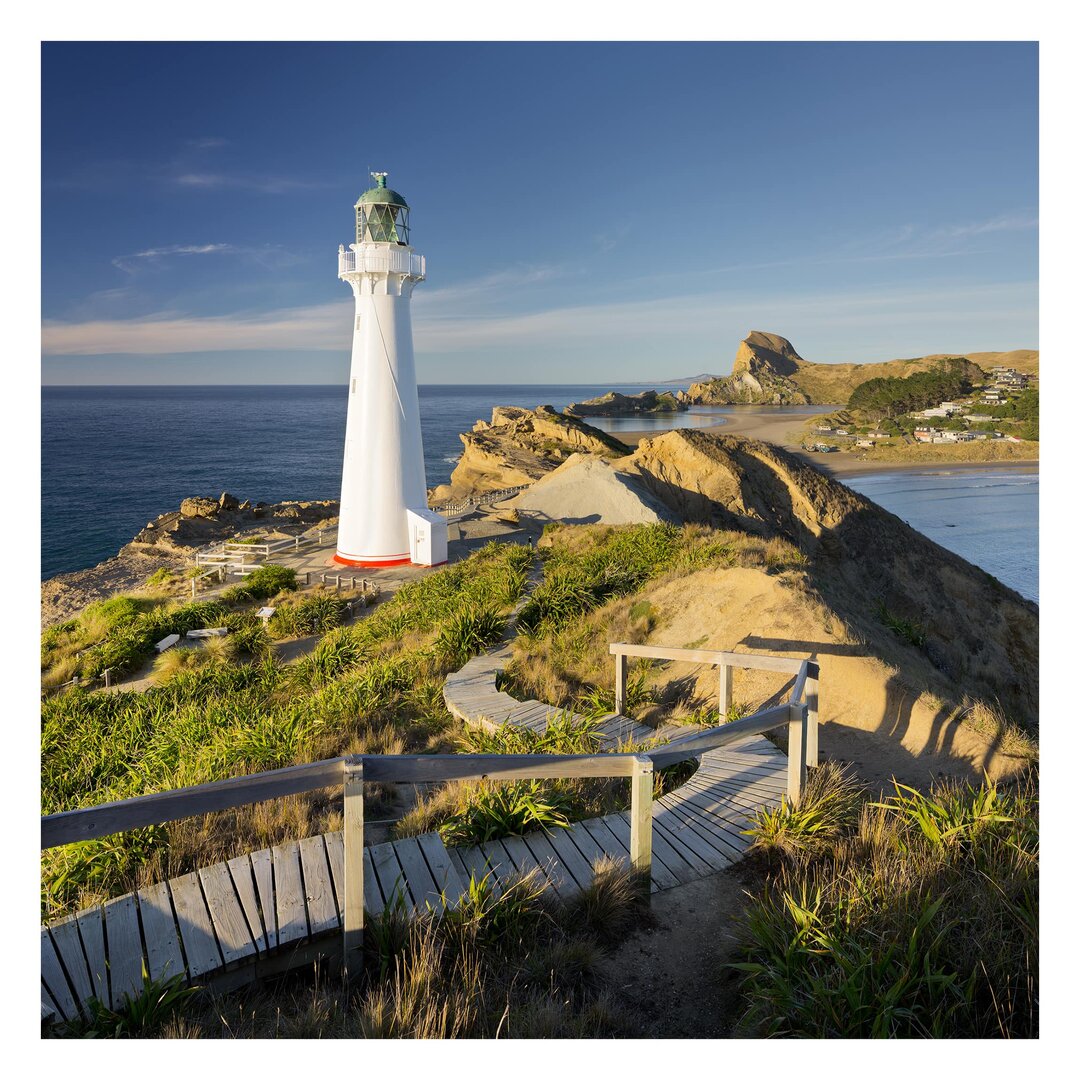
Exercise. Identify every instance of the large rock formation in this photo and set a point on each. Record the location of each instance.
(761, 375)
(768, 371)
(646, 403)
(519, 446)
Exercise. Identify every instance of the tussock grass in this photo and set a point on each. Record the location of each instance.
(828, 808)
(919, 920)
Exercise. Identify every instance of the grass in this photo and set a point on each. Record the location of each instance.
(914, 633)
(370, 687)
(919, 918)
(313, 614)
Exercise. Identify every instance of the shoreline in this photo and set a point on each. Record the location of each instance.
(776, 429)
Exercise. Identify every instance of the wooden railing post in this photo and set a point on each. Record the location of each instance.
(796, 767)
(813, 673)
(620, 681)
(725, 691)
(352, 909)
(641, 793)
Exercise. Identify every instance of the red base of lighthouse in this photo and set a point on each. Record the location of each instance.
(370, 563)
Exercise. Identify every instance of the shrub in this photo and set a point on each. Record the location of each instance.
(829, 807)
(906, 630)
(468, 632)
(313, 614)
(262, 583)
(506, 809)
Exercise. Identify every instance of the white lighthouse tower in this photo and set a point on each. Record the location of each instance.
(384, 516)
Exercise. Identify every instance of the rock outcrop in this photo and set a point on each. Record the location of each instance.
(647, 403)
(202, 520)
(768, 371)
(519, 446)
(761, 375)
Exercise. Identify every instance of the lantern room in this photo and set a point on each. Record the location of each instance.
(382, 215)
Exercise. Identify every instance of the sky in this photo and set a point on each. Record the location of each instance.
(589, 212)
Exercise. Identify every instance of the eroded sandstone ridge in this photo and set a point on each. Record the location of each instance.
(519, 446)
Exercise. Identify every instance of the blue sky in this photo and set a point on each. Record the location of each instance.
(608, 212)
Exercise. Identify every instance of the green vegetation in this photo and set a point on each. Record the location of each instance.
(370, 687)
(161, 576)
(262, 583)
(313, 614)
(1025, 409)
(879, 398)
(919, 919)
(914, 633)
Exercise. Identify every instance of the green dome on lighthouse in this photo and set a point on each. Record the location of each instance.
(382, 215)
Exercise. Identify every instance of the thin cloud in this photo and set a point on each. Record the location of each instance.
(267, 185)
(269, 255)
(669, 321)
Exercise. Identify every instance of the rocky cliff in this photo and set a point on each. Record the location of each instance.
(768, 371)
(519, 446)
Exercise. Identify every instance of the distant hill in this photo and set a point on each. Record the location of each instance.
(768, 371)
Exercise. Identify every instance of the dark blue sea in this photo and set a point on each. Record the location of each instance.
(114, 457)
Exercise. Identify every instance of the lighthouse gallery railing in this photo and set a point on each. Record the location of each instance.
(389, 260)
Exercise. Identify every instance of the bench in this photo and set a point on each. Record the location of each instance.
(213, 631)
(166, 643)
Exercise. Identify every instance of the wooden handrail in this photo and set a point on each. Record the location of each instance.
(715, 657)
(700, 741)
(106, 818)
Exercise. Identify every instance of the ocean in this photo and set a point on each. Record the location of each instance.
(114, 457)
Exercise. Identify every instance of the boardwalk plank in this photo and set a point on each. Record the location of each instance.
(52, 975)
(442, 869)
(65, 935)
(163, 956)
(262, 867)
(289, 894)
(234, 938)
(318, 891)
(713, 831)
(686, 841)
(573, 862)
(392, 880)
(244, 882)
(542, 850)
(421, 883)
(124, 943)
(92, 933)
(523, 859)
(477, 868)
(196, 928)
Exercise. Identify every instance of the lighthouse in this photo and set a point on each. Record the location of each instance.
(384, 516)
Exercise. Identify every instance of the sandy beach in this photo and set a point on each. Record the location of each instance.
(785, 430)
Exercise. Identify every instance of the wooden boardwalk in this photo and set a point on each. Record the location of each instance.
(267, 911)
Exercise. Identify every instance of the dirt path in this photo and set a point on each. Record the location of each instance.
(671, 981)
